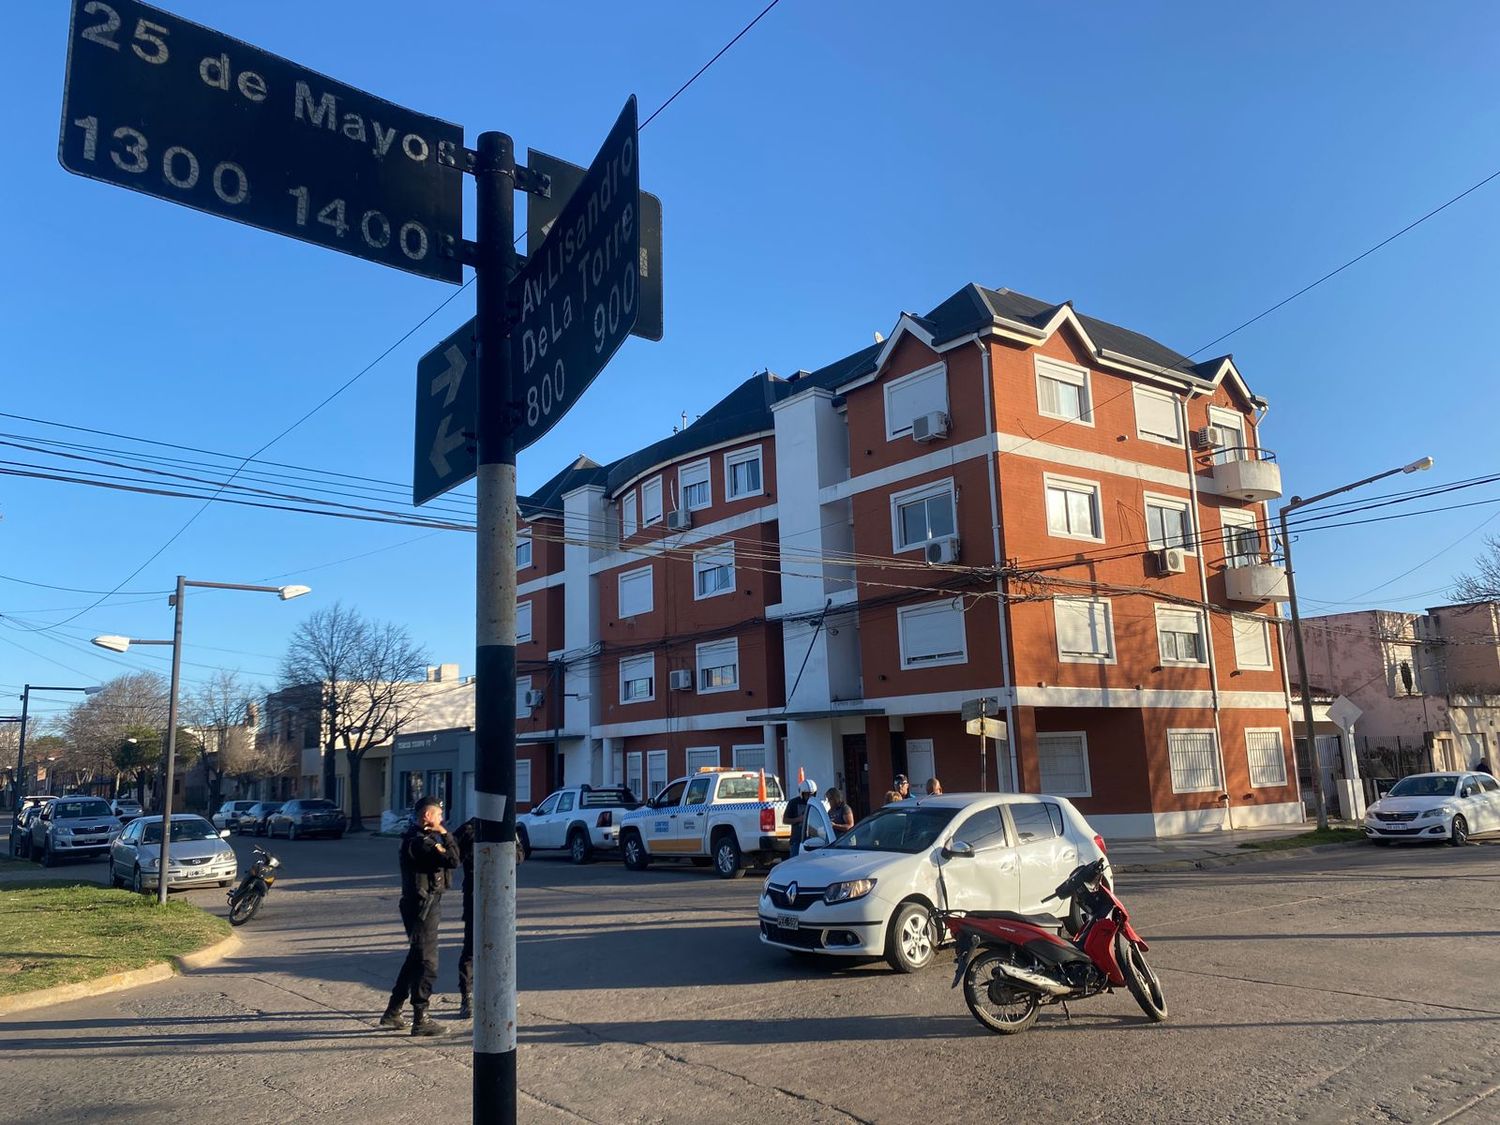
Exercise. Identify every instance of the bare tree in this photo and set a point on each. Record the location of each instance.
(220, 714)
(133, 705)
(1482, 584)
(368, 675)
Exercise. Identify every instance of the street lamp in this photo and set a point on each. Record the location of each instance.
(19, 788)
(1291, 590)
(122, 644)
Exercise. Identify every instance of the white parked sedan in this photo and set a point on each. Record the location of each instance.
(870, 893)
(198, 855)
(1436, 806)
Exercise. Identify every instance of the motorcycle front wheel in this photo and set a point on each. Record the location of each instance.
(244, 905)
(1141, 979)
(993, 1000)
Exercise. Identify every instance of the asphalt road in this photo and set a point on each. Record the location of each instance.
(1360, 986)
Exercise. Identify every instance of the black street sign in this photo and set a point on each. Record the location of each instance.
(542, 212)
(579, 293)
(446, 409)
(164, 106)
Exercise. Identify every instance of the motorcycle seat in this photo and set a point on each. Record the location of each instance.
(1045, 921)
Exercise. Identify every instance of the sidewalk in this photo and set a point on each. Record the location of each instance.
(1212, 849)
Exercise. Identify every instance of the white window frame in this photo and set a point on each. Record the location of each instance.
(713, 558)
(523, 622)
(629, 519)
(523, 685)
(1073, 375)
(938, 371)
(656, 758)
(913, 663)
(1078, 657)
(523, 542)
(633, 664)
(634, 575)
(711, 654)
(1218, 775)
(635, 772)
(736, 756)
(741, 457)
(523, 782)
(1074, 484)
(1083, 746)
(1279, 781)
(1234, 420)
(1245, 620)
(1230, 518)
(651, 491)
(1175, 614)
(683, 483)
(1144, 434)
(1177, 503)
(700, 751)
(916, 496)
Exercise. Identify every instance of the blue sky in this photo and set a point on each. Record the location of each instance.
(1173, 168)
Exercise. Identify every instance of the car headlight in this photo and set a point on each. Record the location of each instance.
(765, 887)
(61, 831)
(224, 857)
(152, 862)
(848, 892)
(1426, 814)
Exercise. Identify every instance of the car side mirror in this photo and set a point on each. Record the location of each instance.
(812, 844)
(223, 833)
(959, 848)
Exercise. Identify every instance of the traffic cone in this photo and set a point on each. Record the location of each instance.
(762, 786)
(801, 775)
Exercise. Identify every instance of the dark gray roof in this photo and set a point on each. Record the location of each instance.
(548, 500)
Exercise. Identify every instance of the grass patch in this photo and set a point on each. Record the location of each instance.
(62, 933)
(1307, 840)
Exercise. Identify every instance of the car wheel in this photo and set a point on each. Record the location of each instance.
(49, 858)
(911, 941)
(137, 883)
(523, 846)
(727, 858)
(1460, 834)
(114, 876)
(291, 830)
(579, 848)
(634, 853)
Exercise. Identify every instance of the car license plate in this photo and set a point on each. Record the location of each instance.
(787, 922)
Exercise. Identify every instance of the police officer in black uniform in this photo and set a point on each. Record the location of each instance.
(428, 854)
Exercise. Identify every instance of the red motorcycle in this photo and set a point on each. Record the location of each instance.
(1011, 964)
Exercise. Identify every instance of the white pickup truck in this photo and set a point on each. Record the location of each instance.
(581, 819)
(716, 815)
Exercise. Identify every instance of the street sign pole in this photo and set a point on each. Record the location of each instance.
(495, 664)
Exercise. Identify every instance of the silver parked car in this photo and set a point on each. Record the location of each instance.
(198, 857)
(234, 815)
(73, 827)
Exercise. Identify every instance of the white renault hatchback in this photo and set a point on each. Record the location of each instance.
(870, 893)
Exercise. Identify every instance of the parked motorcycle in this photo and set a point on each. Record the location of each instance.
(245, 899)
(1011, 964)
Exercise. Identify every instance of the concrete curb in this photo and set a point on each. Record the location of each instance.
(1249, 855)
(119, 982)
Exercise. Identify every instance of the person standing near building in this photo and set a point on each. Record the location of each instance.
(428, 854)
(901, 786)
(796, 813)
(934, 787)
(840, 815)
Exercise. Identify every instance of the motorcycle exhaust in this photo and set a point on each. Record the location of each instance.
(1034, 981)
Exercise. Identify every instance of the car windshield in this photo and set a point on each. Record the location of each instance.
(317, 805)
(908, 830)
(1428, 786)
(183, 831)
(69, 810)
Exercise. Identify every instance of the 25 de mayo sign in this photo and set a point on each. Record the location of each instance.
(161, 105)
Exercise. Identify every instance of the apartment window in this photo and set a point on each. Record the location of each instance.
(921, 515)
(1063, 759)
(523, 685)
(1241, 539)
(1195, 761)
(651, 502)
(742, 475)
(1085, 630)
(1062, 391)
(932, 634)
(1252, 642)
(1267, 761)
(656, 772)
(713, 572)
(909, 397)
(700, 756)
(523, 552)
(719, 666)
(1169, 524)
(1233, 423)
(523, 621)
(635, 592)
(638, 679)
(1156, 417)
(1179, 636)
(1073, 508)
(523, 782)
(634, 777)
(694, 486)
(749, 757)
(628, 514)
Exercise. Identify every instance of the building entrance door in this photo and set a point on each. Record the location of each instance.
(857, 775)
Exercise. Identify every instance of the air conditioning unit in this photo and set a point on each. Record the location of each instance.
(681, 680)
(929, 427)
(1210, 437)
(1171, 560)
(940, 551)
(679, 520)
(534, 699)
